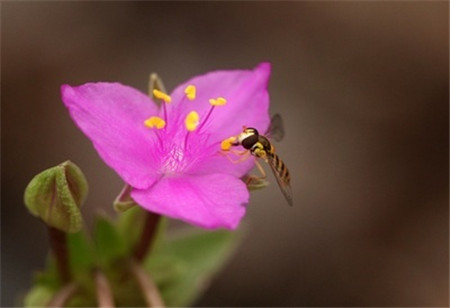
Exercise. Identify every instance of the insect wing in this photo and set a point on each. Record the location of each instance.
(276, 128)
(283, 183)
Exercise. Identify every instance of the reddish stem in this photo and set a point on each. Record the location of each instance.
(58, 244)
(147, 236)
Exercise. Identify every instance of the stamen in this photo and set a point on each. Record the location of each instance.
(190, 92)
(161, 95)
(191, 121)
(220, 101)
(155, 122)
(227, 143)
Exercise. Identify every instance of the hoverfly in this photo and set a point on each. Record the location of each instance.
(259, 146)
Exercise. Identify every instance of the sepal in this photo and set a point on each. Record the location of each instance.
(124, 201)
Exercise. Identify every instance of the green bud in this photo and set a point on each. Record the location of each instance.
(56, 194)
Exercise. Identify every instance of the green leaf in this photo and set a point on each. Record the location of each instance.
(39, 296)
(183, 266)
(129, 226)
(56, 194)
(81, 253)
(109, 244)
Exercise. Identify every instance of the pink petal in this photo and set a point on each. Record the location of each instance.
(246, 95)
(112, 116)
(209, 201)
(235, 165)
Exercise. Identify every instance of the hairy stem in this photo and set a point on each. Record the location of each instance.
(147, 285)
(58, 244)
(148, 234)
(103, 290)
(64, 294)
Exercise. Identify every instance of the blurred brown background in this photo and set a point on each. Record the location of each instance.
(362, 87)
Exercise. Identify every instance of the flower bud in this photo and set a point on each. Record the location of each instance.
(56, 194)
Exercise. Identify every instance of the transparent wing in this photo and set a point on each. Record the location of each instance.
(276, 128)
(283, 182)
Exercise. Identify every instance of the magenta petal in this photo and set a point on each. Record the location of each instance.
(219, 163)
(112, 116)
(246, 95)
(209, 201)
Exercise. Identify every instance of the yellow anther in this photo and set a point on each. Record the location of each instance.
(162, 95)
(191, 121)
(227, 143)
(155, 122)
(220, 101)
(190, 92)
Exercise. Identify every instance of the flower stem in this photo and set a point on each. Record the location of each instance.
(64, 294)
(147, 236)
(104, 294)
(58, 244)
(148, 287)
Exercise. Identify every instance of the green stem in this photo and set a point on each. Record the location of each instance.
(147, 237)
(58, 244)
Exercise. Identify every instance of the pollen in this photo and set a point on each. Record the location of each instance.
(191, 121)
(227, 143)
(220, 101)
(190, 92)
(162, 95)
(155, 122)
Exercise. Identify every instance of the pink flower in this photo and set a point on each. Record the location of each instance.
(171, 156)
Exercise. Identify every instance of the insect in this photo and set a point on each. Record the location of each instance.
(259, 146)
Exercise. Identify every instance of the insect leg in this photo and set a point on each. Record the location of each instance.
(243, 153)
(257, 179)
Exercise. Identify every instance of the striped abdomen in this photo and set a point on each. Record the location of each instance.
(279, 167)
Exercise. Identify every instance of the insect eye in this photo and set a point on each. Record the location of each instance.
(249, 141)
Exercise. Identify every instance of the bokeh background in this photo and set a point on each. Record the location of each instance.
(362, 88)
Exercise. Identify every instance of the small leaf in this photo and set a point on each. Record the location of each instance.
(56, 194)
(183, 266)
(39, 296)
(109, 244)
(130, 224)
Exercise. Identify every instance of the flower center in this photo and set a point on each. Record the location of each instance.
(174, 155)
(174, 161)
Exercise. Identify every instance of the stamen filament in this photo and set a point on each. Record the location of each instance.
(206, 117)
(186, 139)
(158, 123)
(220, 101)
(165, 112)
